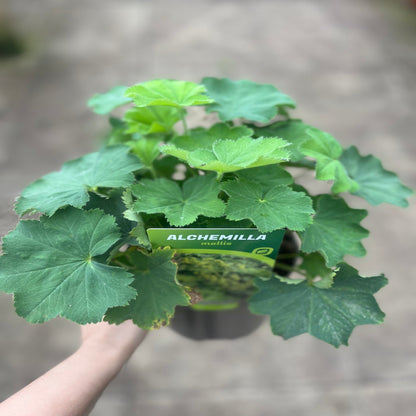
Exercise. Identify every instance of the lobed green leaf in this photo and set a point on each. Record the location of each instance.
(111, 167)
(227, 155)
(328, 314)
(268, 208)
(50, 266)
(201, 138)
(146, 149)
(114, 205)
(165, 92)
(139, 231)
(317, 272)
(246, 99)
(335, 231)
(107, 102)
(293, 131)
(155, 119)
(158, 292)
(117, 135)
(266, 178)
(181, 206)
(326, 150)
(376, 185)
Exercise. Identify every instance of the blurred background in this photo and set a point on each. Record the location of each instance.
(351, 67)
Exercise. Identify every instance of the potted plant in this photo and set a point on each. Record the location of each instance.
(167, 215)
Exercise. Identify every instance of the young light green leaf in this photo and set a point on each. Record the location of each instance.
(326, 150)
(139, 231)
(266, 178)
(107, 102)
(245, 152)
(293, 131)
(198, 196)
(158, 291)
(178, 152)
(336, 230)
(268, 208)
(246, 99)
(318, 273)
(232, 155)
(168, 93)
(155, 119)
(201, 138)
(376, 184)
(50, 266)
(111, 167)
(328, 314)
(147, 150)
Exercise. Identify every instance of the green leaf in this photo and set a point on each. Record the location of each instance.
(293, 131)
(109, 168)
(131, 223)
(328, 314)
(336, 230)
(113, 205)
(181, 206)
(139, 231)
(166, 166)
(147, 120)
(168, 92)
(376, 184)
(317, 272)
(268, 208)
(107, 102)
(117, 135)
(147, 150)
(226, 155)
(266, 178)
(158, 291)
(326, 150)
(206, 137)
(201, 138)
(220, 222)
(245, 152)
(246, 99)
(50, 266)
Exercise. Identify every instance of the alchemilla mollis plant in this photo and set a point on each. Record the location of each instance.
(88, 256)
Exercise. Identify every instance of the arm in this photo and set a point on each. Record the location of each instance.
(73, 386)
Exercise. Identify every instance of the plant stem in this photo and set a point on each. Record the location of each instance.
(309, 280)
(152, 171)
(185, 126)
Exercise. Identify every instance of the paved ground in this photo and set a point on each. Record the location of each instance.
(351, 66)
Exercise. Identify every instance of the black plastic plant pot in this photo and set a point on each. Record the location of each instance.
(226, 319)
(215, 324)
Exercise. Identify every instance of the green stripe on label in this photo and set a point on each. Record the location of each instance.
(246, 242)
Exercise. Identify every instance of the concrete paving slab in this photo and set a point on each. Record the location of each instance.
(350, 66)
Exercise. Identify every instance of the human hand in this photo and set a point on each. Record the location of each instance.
(73, 386)
(122, 339)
